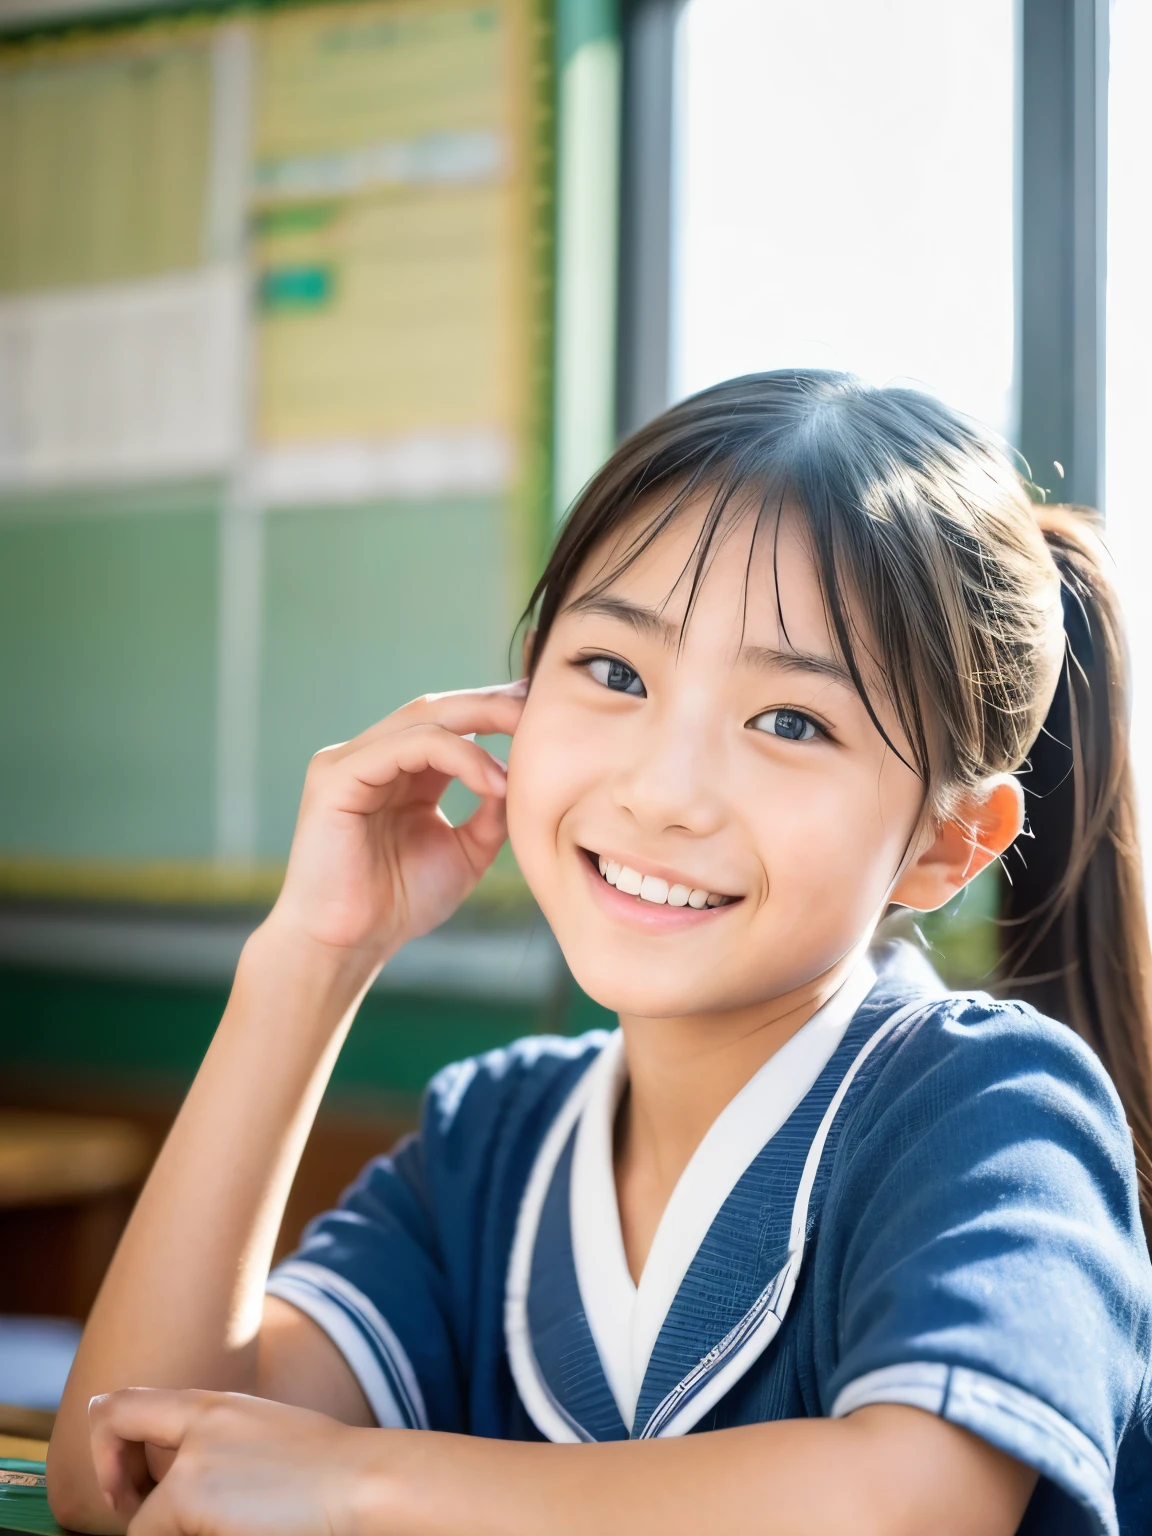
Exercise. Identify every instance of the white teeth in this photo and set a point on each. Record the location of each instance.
(652, 888)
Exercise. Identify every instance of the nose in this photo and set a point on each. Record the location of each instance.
(672, 777)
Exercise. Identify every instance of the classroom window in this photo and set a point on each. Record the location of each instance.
(844, 194)
(1129, 344)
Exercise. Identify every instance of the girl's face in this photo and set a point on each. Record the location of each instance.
(741, 763)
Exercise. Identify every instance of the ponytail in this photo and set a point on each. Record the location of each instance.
(1077, 934)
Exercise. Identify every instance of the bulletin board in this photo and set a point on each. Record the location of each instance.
(275, 411)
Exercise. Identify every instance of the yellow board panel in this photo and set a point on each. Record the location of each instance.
(402, 329)
(199, 882)
(338, 78)
(390, 173)
(104, 151)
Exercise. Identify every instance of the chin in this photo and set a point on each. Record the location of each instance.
(638, 991)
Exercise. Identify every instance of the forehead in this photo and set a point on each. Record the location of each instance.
(757, 581)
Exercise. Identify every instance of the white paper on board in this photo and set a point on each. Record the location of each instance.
(476, 462)
(125, 382)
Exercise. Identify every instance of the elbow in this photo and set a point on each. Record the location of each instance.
(67, 1503)
(74, 1497)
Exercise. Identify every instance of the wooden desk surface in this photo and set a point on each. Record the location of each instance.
(50, 1159)
(23, 1449)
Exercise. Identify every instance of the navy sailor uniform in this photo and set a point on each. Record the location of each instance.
(922, 1198)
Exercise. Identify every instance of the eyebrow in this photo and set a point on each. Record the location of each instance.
(646, 621)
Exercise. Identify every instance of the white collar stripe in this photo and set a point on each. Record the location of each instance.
(626, 1319)
(721, 1367)
(565, 1353)
(606, 1287)
(575, 1358)
(543, 1409)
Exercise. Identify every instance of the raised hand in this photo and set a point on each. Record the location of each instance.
(374, 861)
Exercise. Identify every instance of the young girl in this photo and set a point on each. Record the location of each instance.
(793, 658)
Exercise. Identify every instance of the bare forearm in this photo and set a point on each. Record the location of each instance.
(181, 1303)
(244, 1464)
(884, 1472)
(372, 863)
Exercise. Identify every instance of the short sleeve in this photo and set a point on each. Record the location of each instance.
(985, 1259)
(369, 1274)
(406, 1275)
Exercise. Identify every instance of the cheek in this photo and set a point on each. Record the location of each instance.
(836, 836)
(540, 788)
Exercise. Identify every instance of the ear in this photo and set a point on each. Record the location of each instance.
(526, 650)
(984, 823)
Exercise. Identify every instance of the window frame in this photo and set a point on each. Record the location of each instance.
(1061, 234)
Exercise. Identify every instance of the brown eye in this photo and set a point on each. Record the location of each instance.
(613, 673)
(788, 724)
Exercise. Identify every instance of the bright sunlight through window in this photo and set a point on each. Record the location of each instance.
(845, 194)
(1129, 347)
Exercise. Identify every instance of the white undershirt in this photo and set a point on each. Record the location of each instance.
(626, 1318)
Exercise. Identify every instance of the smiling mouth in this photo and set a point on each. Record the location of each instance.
(653, 889)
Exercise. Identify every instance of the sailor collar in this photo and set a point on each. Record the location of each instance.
(595, 1356)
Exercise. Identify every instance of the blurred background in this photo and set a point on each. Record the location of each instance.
(313, 319)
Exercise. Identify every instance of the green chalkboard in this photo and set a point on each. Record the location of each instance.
(203, 583)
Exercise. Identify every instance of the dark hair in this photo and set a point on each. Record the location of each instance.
(1074, 915)
(983, 613)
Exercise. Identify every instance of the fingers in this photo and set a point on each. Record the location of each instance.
(160, 1514)
(491, 711)
(179, 1507)
(518, 689)
(482, 834)
(432, 750)
(121, 1424)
